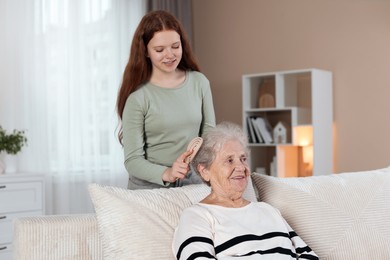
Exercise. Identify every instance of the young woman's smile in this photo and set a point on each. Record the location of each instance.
(165, 51)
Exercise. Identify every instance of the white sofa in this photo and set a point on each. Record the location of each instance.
(341, 216)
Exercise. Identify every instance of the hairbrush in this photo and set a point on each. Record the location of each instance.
(193, 146)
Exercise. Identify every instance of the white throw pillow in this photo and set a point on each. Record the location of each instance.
(340, 216)
(139, 224)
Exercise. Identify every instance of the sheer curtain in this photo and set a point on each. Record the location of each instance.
(63, 62)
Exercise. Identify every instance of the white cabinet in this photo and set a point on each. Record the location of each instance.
(298, 107)
(21, 195)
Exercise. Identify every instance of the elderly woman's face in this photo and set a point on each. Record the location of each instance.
(229, 171)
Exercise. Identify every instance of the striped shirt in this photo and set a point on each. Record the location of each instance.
(256, 231)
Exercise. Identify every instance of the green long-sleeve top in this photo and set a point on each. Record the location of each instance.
(158, 123)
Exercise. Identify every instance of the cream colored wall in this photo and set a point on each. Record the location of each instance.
(351, 38)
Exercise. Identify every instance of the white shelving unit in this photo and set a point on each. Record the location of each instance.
(21, 195)
(302, 100)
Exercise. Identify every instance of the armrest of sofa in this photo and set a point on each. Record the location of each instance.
(56, 237)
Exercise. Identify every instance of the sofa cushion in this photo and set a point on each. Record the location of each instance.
(139, 224)
(340, 216)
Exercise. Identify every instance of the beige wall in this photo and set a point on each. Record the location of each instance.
(351, 38)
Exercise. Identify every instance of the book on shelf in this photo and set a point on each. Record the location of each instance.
(264, 128)
(251, 133)
(256, 131)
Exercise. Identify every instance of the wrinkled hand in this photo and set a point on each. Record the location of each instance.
(178, 170)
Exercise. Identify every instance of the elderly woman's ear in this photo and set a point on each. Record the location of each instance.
(204, 173)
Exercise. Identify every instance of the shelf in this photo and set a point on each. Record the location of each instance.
(298, 104)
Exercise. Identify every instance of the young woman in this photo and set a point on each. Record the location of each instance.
(163, 103)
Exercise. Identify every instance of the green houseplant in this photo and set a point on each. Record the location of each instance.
(11, 144)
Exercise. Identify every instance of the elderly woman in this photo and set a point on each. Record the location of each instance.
(224, 225)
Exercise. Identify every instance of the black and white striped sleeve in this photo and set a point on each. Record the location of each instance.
(302, 250)
(193, 238)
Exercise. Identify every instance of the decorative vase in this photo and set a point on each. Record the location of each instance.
(2, 164)
(8, 163)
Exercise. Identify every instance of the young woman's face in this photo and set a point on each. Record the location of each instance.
(229, 172)
(165, 51)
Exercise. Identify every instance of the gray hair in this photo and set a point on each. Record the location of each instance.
(214, 140)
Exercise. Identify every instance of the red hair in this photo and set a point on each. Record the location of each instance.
(139, 67)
